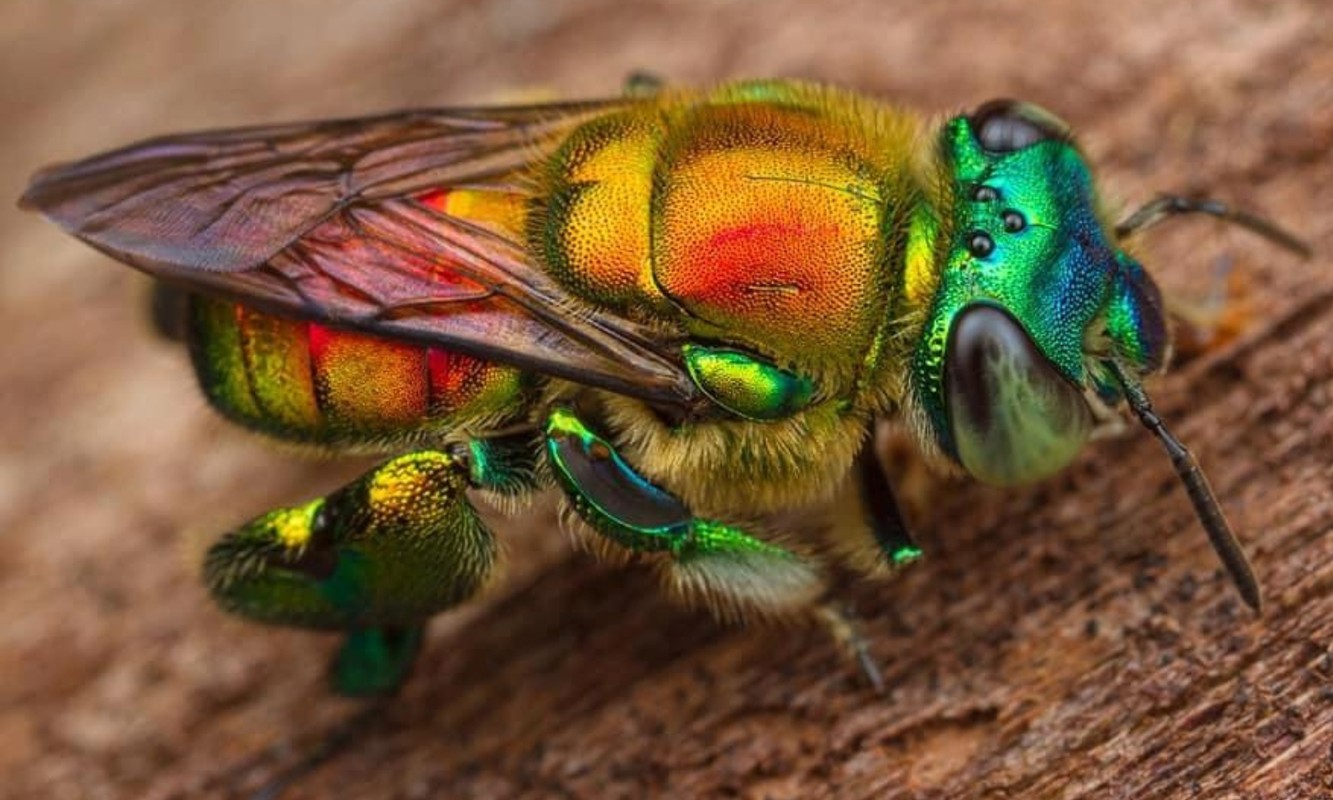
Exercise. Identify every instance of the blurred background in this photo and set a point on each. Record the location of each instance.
(117, 679)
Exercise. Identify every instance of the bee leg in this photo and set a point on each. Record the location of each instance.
(865, 528)
(845, 629)
(376, 559)
(376, 660)
(892, 537)
(734, 573)
(1168, 206)
(720, 565)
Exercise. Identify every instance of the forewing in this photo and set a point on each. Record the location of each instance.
(319, 220)
(232, 199)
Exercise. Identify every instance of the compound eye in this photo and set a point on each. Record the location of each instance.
(1013, 416)
(1003, 126)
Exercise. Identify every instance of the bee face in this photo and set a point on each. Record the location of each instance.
(1035, 297)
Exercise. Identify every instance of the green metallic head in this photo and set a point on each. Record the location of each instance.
(1035, 302)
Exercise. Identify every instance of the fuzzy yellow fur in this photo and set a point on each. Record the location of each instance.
(719, 468)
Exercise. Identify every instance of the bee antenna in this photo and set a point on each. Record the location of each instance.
(1167, 206)
(1201, 495)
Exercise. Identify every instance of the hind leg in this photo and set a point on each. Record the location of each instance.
(375, 559)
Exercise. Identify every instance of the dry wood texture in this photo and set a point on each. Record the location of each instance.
(1072, 640)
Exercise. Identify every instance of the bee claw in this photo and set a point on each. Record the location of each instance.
(870, 669)
(845, 629)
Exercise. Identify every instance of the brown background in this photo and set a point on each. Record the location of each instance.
(1072, 640)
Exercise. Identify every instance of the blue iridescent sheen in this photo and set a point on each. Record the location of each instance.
(1135, 318)
(627, 508)
(617, 501)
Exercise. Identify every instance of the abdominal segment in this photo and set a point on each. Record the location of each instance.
(306, 382)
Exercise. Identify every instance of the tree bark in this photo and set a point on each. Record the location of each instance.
(1070, 640)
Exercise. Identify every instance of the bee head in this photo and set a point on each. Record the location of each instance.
(1035, 301)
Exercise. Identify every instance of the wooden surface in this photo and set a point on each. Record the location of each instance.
(1071, 640)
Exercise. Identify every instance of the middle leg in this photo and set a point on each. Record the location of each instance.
(722, 566)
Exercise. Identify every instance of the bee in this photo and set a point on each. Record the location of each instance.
(685, 310)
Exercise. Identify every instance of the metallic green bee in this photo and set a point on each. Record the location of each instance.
(686, 310)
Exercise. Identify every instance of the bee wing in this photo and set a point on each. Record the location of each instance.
(232, 199)
(320, 220)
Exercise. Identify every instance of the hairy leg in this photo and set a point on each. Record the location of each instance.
(375, 559)
(722, 566)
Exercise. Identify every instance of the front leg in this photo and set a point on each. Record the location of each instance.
(714, 563)
(893, 539)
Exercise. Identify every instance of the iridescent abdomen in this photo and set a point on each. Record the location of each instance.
(306, 382)
(765, 215)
